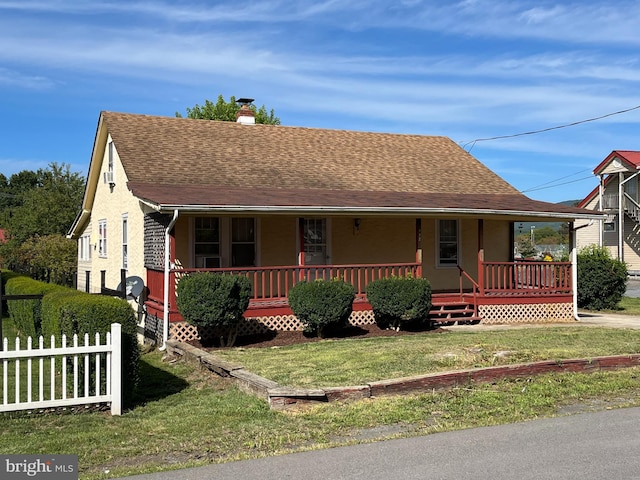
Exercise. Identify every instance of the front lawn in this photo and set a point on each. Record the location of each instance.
(358, 361)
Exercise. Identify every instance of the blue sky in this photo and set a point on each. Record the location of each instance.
(464, 69)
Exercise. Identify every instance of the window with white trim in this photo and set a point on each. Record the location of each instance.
(207, 242)
(102, 238)
(448, 243)
(125, 241)
(243, 242)
(84, 247)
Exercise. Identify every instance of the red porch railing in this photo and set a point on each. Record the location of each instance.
(270, 285)
(525, 278)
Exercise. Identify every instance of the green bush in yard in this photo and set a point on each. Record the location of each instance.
(321, 305)
(27, 314)
(215, 300)
(398, 300)
(90, 314)
(602, 280)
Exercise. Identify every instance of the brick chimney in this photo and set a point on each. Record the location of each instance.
(245, 115)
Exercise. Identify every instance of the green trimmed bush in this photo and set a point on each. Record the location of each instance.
(27, 314)
(397, 301)
(84, 313)
(321, 305)
(602, 280)
(215, 300)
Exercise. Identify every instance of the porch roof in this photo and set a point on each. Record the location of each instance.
(196, 198)
(199, 165)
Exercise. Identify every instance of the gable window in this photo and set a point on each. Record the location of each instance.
(125, 241)
(207, 242)
(84, 247)
(448, 247)
(102, 238)
(243, 242)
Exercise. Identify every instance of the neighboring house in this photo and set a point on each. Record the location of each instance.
(279, 204)
(617, 196)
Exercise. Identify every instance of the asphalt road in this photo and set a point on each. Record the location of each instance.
(591, 446)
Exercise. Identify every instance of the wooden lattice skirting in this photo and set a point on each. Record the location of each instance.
(527, 313)
(182, 331)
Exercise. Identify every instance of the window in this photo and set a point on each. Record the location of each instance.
(315, 241)
(84, 247)
(447, 243)
(243, 242)
(207, 242)
(125, 241)
(102, 238)
(609, 227)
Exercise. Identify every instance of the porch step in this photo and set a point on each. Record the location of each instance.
(447, 311)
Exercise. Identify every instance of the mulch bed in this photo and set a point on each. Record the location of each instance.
(281, 339)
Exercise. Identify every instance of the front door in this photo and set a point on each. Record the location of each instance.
(314, 238)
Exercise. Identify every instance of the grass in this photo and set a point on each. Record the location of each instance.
(628, 306)
(365, 360)
(185, 417)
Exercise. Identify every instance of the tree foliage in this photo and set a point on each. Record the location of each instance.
(226, 111)
(36, 210)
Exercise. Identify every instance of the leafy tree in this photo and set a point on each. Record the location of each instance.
(51, 257)
(49, 207)
(226, 111)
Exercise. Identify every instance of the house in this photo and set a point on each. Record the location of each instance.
(617, 196)
(166, 196)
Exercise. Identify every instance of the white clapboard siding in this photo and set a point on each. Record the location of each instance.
(69, 373)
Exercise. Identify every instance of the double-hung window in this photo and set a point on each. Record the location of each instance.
(448, 243)
(125, 241)
(102, 238)
(84, 247)
(207, 242)
(243, 242)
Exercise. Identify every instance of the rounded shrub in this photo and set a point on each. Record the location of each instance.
(207, 299)
(398, 300)
(321, 305)
(602, 280)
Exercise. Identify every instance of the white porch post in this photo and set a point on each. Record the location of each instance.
(620, 216)
(574, 269)
(601, 203)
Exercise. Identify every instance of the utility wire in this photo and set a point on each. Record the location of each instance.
(573, 124)
(557, 185)
(536, 187)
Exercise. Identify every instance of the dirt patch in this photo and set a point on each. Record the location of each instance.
(281, 339)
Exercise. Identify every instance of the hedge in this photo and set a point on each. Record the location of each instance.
(27, 314)
(64, 310)
(602, 280)
(398, 300)
(321, 304)
(214, 300)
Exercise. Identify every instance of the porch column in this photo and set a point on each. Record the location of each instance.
(601, 203)
(167, 267)
(419, 246)
(481, 255)
(574, 268)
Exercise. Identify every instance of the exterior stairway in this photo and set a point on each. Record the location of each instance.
(449, 308)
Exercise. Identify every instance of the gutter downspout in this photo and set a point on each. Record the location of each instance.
(167, 267)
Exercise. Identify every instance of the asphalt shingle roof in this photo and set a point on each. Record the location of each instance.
(178, 161)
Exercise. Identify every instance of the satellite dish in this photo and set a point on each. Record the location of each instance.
(134, 287)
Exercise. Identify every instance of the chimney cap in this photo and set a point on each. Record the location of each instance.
(245, 101)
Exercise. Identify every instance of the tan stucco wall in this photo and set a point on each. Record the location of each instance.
(111, 204)
(278, 237)
(378, 240)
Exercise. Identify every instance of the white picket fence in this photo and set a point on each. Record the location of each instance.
(77, 374)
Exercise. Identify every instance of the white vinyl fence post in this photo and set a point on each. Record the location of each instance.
(116, 369)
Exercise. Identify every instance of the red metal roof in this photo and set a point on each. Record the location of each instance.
(629, 157)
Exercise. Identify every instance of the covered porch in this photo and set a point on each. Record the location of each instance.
(504, 292)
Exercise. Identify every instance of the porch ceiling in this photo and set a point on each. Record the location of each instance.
(209, 198)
